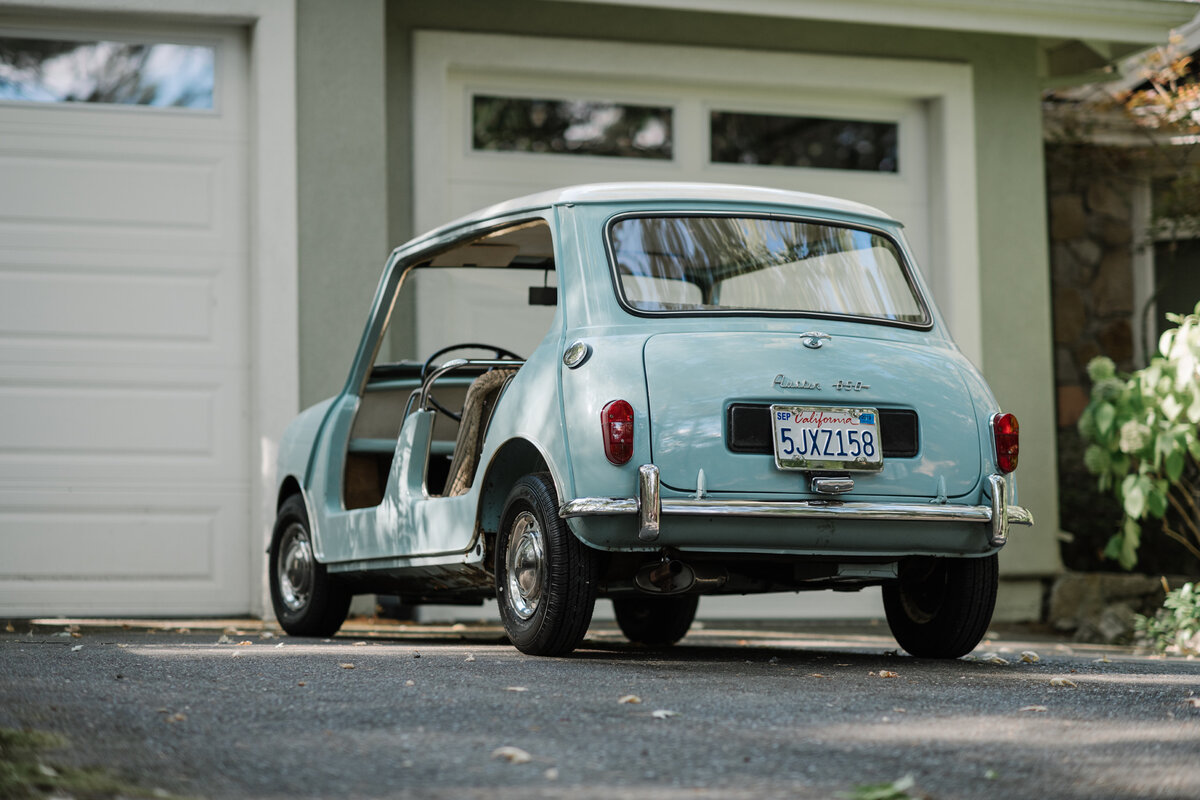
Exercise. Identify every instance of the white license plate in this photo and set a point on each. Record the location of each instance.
(814, 438)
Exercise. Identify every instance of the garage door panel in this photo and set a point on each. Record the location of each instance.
(116, 543)
(119, 194)
(103, 191)
(95, 306)
(153, 551)
(63, 303)
(66, 420)
(148, 424)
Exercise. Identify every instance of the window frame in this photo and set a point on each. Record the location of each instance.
(906, 266)
(214, 44)
(712, 109)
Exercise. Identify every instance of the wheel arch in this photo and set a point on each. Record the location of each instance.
(287, 487)
(290, 487)
(512, 460)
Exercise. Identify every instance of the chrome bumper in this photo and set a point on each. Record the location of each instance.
(650, 509)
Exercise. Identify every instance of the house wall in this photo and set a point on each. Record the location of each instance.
(344, 144)
(342, 132)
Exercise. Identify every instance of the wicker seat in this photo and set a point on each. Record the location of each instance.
(477, 411)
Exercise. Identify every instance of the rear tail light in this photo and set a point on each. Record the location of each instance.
(1007, 435)
(616, 425)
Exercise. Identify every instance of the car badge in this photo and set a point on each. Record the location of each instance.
(814, 339)
(784, 382)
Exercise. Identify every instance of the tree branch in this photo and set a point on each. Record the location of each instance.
(1182, 540)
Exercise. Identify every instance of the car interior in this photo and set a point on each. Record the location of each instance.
(463, 381)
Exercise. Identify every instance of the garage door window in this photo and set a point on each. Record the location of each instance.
(787, 141)
(571, 127)
(116, 73)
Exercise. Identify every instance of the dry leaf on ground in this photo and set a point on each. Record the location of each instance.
(1038, 709)
(346, 666)
(630, 699)
(1194, 702)
(1029, 657)
(516, 689)
(885, 673)
(1066, 682)
(663, 713)
(513, 755)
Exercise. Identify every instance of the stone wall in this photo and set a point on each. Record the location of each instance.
(1091, 255)
(1091, 258)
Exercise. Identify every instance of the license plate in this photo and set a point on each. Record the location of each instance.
(827, 438)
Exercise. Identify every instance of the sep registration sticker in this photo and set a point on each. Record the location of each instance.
(814, 438)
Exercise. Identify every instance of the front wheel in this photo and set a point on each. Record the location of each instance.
(545, 577)
(307, 601)
(655, 621)
(941, 607)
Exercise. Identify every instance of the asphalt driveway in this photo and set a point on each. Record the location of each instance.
(234, 710)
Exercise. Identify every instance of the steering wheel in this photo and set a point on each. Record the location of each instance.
(428, 365)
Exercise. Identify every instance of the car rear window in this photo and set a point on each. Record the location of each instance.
(748, 264)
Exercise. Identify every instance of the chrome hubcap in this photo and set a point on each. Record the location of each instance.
(526, 566)
(296, 568)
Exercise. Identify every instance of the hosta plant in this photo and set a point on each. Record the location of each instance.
(1144, 447)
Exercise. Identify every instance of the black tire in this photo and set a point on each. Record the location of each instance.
(656, 621)
(307, 601)
(941, 607)
(545, 577)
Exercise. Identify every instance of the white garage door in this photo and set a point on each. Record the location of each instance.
(490, 132)
(124, 454)
(499, 117)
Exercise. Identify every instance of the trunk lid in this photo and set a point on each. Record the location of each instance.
(709, 396)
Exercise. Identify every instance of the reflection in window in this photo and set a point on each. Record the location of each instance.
(753, 264)
(780, 141)
(577, 127)
(120, 73)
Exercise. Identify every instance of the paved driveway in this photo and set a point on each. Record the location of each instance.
(419, 711)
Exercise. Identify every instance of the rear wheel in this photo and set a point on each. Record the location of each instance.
(307, 601)
(655, 621)
(941, 607)
(545, 577)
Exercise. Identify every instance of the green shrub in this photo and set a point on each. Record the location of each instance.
(1175, 628)
(1144, 447)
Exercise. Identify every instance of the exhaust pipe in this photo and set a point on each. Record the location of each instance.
(672, 576)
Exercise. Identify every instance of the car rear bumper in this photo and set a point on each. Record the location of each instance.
(650, 509)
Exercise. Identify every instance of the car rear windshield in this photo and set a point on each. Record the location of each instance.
(747, 264)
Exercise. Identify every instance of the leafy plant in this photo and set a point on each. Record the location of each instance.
(1175, 628)
(24, 775)
(1144, 446)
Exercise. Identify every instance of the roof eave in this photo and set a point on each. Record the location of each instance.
(1130, 22)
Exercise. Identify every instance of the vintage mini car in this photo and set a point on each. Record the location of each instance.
(726, 390)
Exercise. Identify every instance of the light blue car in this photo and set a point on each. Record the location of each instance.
(729, 390)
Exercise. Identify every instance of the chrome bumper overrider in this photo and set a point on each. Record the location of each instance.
(651, 508)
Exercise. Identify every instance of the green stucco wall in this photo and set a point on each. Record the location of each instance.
(343, 187)
(337, 275)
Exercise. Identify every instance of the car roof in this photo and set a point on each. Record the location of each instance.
(634, 192)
